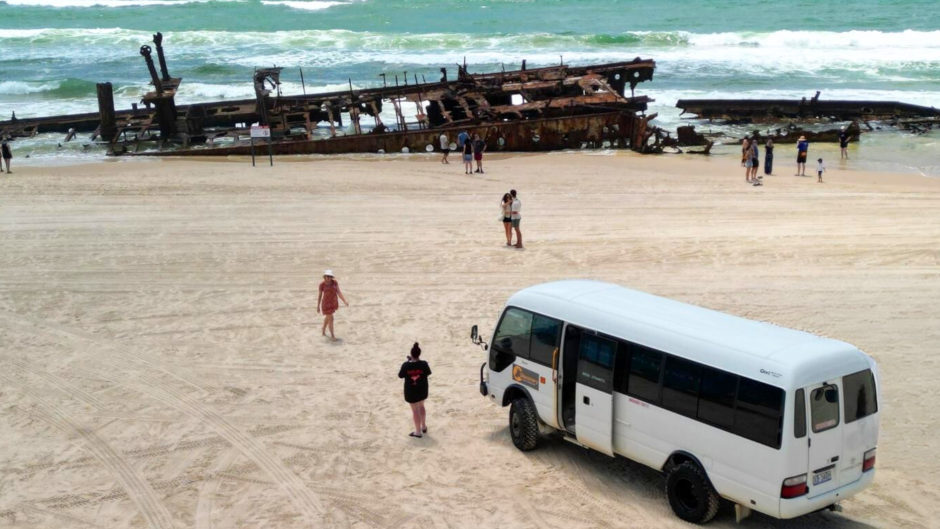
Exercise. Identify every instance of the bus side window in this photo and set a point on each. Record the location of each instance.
(681, 380)
(716, 397)
(512, 338)
(645, 367)
(860, 398)
(824, 408)
(799, 414)
(621, 367)
(759, 413)
(596, 362)
(546, 333)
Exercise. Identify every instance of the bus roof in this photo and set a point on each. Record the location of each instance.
(776, 355)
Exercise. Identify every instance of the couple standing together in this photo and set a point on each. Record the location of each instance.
(510, 208)
(472, 149)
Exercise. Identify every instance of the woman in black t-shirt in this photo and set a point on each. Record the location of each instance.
(415, 372)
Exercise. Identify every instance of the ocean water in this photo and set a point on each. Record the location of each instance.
(52, 52)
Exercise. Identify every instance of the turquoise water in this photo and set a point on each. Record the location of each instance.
(52, 52)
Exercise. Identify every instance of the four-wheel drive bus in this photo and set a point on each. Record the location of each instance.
(772, 419)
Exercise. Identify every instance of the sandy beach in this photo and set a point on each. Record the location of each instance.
(161, 363)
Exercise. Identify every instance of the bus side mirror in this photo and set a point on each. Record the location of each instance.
(476, 338)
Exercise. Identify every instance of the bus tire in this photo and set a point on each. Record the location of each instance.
(690, 494)
(523, 424)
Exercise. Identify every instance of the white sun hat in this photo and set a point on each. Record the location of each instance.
(329, 273)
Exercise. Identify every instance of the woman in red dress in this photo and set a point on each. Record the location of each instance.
(327, 301)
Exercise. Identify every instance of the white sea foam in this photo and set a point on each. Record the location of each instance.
(311, 5)
(106, 3)
(26, 87)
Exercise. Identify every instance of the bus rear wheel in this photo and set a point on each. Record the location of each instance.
(523, 424)
(690, 494)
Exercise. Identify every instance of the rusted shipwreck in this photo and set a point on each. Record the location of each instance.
(814, 108)
(557, 107)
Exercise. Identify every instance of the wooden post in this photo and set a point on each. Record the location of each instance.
(108, 126)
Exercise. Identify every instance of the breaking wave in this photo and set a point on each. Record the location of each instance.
(66, 89)
(107, 3)
(927, 41)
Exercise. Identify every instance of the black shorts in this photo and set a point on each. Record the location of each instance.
(507, 219)
(445, 151)
(801, 157)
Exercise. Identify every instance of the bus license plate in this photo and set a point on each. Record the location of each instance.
(822, 477)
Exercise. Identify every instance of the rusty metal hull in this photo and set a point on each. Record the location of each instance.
(771, 109)
(619, 129)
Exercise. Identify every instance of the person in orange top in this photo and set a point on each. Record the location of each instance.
(327, 301)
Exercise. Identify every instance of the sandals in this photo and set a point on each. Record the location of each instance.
(412, 434)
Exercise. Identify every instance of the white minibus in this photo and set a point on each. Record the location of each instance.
(772, 419)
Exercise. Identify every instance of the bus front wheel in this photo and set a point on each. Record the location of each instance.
(690, 494)
(523, 424)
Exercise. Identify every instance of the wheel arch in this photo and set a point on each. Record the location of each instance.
(513, 392)
(681, 456)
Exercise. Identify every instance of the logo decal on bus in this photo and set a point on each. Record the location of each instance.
(523, 375)
(771, 373)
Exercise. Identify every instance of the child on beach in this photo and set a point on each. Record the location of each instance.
(820, 169)
(415, 372)
(327, 301)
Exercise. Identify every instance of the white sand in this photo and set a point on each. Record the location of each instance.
(161, 363)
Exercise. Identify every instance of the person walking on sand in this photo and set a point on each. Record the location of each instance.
(416, 372)
(844, 143)
(7, 155)
(328, 301)
(506, 209)
(515, 216)
(479, 146)
(746, 159)
(802, 150)
(467, 157)
(445, 147)
(820, 169)
(769, 157)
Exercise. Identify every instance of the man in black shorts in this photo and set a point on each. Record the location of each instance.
(844, 143)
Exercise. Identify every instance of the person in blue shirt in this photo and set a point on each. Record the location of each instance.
(802, 149)
(462, 138)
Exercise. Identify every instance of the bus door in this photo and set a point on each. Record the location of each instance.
(567, 376)
(594, 403)
(825, 437)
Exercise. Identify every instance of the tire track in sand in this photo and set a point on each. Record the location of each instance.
(138, 489)
(116, 372)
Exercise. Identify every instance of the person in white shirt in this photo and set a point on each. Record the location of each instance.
(820, 169)
(445, 147)
(516, 216)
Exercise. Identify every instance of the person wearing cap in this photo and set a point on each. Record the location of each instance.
(328, 301)
(802, 149)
